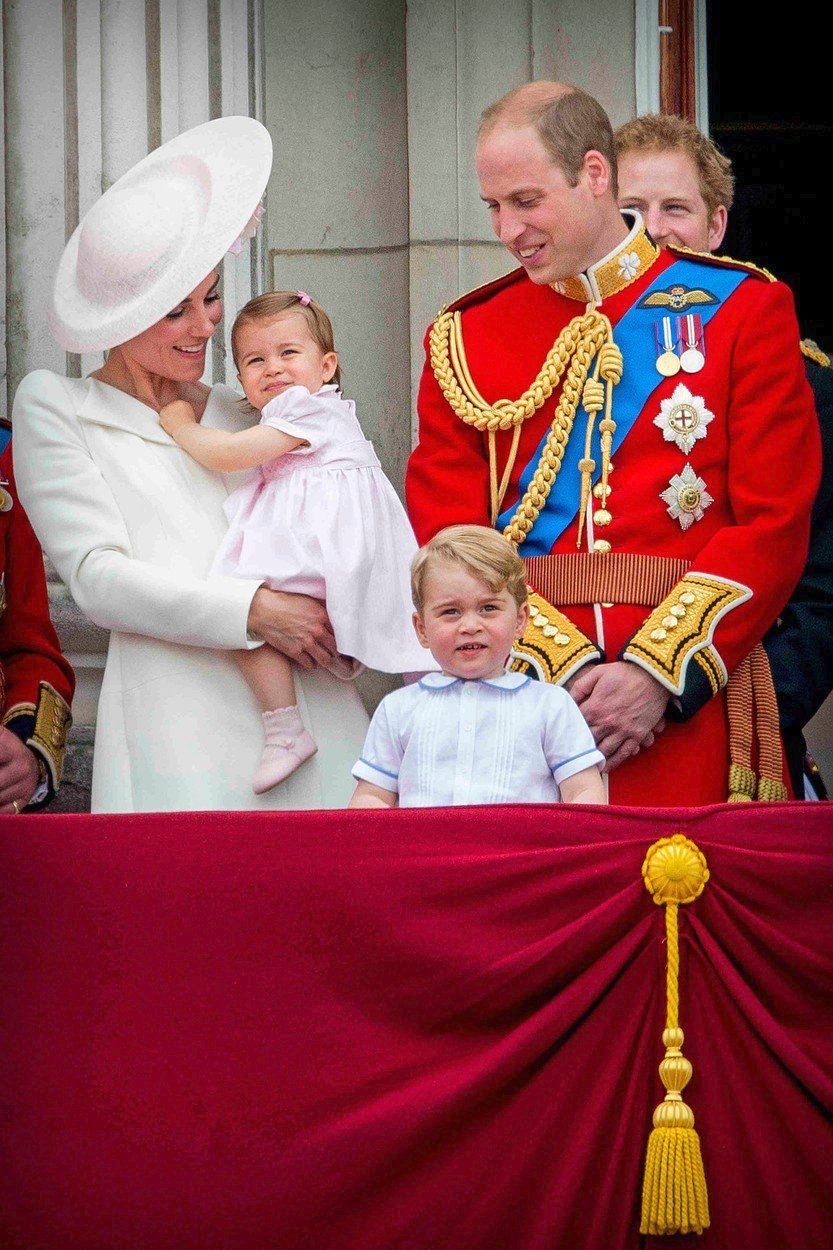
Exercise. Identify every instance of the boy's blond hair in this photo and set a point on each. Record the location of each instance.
(486, 554)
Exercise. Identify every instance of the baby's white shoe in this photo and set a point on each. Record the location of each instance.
(288, 744)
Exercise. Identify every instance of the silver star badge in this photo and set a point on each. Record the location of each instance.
(686, 497)
(683, 418)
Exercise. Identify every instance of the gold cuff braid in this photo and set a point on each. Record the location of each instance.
(53, 720)
(551, 644)
(682, 626)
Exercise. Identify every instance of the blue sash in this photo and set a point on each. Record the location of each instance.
(634, 334)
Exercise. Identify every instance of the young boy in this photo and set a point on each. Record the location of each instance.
(475, 733)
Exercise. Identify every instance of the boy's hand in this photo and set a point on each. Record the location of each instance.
(176, 417)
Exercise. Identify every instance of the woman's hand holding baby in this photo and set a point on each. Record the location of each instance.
(295, 625)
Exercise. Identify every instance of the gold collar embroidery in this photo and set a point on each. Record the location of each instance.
(613, 272)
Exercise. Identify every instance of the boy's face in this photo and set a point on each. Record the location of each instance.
(273, 355)
(468, 628)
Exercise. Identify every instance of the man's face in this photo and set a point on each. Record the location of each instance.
(663, 186)
(551, 228)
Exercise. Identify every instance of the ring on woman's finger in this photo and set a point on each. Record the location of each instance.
(16, 806)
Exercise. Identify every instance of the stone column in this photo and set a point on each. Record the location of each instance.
(89, 87)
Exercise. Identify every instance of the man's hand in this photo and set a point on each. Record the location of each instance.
(176, 417)
(295, 625)
(624, 707)
(18, 772)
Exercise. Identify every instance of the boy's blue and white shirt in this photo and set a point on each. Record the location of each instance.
(444, 742)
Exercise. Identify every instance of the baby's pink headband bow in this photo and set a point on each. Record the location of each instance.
(304, 298)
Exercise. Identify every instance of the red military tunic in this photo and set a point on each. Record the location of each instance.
(36, 681)
(731, 501)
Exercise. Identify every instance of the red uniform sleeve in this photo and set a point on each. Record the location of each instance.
(447, 479)
(39, 681)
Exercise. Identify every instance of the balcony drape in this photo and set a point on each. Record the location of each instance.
(409, 1030)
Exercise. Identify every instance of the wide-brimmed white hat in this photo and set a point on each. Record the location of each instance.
(158, 232)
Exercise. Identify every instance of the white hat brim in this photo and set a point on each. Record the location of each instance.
(237, 155)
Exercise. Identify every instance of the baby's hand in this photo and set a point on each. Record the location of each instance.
(176, 416)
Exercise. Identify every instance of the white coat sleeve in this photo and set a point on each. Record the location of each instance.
(79, 525)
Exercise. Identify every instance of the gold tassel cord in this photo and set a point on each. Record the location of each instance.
(567, 363)
(771, 788)
(752, 712)
(674, 1194)
(598, 395)
(593, 400)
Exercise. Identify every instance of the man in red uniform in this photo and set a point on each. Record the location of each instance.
(683, 187)
(36, 682)
(655, 582)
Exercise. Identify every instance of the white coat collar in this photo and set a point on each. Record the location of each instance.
(107, 406)
(508, 681)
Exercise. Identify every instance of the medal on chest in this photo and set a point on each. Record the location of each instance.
(668, 362)
(693, 354)
(683, 418)
(686, 498)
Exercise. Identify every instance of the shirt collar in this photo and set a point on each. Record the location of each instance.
(627, 262)
(507, 681)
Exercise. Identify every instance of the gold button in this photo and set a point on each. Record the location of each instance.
(658, 635)
(678, 611)
(608, 605)
(601, 545)
(550, 631)
(599, 491)
(670, 622)
(540, 619)
(687, 598)
(602, 517)
(562, 639)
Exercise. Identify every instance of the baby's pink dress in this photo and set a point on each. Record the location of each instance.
(324, 520)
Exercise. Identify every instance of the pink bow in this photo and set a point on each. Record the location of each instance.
(304, 298)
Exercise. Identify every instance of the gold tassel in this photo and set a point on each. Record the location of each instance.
(674, 1194)
(593, 399)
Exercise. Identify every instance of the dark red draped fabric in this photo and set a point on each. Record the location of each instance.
(433, 1030)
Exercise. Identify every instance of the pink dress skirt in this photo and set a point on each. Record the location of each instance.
(323, 520)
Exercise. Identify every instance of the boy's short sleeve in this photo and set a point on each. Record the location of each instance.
(569, 746)
(381, 757)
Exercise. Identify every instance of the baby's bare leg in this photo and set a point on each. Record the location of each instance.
(269, 675)
(288, 742)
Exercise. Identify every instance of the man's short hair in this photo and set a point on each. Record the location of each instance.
(483, 552)
(663, 132)
(569, 123)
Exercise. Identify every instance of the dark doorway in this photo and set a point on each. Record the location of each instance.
(770, 111)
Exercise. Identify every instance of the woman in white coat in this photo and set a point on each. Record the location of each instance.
(131, 523)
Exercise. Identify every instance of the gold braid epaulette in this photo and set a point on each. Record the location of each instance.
(570, 358)
(813, 352)
(716, 259)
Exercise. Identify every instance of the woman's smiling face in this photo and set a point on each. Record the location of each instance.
(174, 347)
